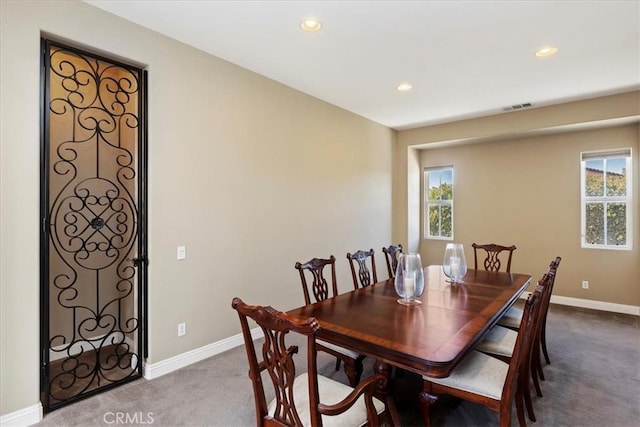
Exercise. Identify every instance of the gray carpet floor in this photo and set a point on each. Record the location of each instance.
(593, 380)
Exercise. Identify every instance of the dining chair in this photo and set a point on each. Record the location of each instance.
(491, 261)
(391, 255)
(297, 400)
(321, 289)
(541, 343)
(511, 319)
(514, 315)
(366, 273)
(543, 334)
(500, 342)
(484, 379)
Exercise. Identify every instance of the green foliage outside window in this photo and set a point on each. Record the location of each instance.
(616, 185)
(440, 197)
(595, 223)
(617, 224)
(615, 232)
(439, 221)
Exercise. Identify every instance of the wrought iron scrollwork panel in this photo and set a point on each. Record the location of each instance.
(94, 118)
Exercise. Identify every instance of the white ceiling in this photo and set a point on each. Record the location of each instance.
(464, 58)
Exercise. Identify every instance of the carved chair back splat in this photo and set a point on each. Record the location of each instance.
(492, 255)
(391, 255)
(366, 274)
(293, 406)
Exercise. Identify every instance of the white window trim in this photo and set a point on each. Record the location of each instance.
(628, 199)
(425, 218)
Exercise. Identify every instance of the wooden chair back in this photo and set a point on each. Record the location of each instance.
(391, 255)
(319, 287)
(542, 335)
(366, 273)
(523, 345)
(531, 348)
(277, 358)
(491, 261)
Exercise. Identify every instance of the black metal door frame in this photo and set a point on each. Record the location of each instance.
(138, 260)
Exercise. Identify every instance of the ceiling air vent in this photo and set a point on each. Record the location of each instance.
(518, 106)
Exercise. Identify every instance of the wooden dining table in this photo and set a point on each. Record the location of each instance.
(428, 339)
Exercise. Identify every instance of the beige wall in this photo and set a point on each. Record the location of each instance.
(506, 167)
(252, 176)
(249, 175)
(526, 192)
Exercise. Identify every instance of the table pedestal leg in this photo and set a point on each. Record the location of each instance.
(383, 393)
(426, 400)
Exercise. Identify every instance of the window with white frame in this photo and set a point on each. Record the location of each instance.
(606, 199)
(438, 203)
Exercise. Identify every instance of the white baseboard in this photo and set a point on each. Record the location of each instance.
(592, 304)
(596, 305)
(33, 414)
(23, 417)
(163, 367)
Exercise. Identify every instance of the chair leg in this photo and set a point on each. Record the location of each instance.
(536, 383)
(535, 358)
(538, 366)
(543, 337)
(536, 369)
(525, 391)
(519, 408)
(359, 368)
(529, 405)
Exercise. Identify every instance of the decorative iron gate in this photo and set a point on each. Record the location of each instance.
(93, 213)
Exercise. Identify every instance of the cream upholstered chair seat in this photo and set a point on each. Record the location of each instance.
(499, 341)
(511, 319)
(477, 373)
(337, 348)
(330, 392)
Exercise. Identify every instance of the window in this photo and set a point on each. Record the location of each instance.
(439, 203)
(606, 199)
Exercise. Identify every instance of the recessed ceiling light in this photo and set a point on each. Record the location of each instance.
(403, 87)
(310, 25)
(546, 51)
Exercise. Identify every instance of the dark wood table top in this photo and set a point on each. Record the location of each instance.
(428, 339)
